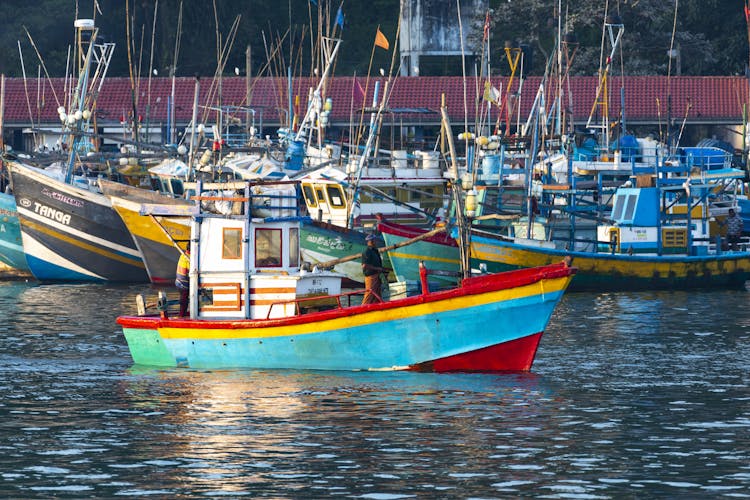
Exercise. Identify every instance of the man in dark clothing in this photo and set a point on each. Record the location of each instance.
(372, 266)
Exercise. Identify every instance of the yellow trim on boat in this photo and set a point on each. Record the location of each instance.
(144, 227)
(80, 244)
(632, 268)
(397, 313)
(426, 258)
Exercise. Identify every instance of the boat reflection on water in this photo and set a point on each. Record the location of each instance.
(612, 409)
(224, 423)
(217, 424)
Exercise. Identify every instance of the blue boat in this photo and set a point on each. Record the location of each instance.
(72, 234)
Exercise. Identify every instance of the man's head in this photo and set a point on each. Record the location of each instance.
(731, 212)
(370, 239)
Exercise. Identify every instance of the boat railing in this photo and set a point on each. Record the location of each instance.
(327, 301)
(719, 245)
(262, 198)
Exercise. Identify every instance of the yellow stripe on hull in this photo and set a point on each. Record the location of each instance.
(635, 267)
(132, 261)
(142, 226)
(397, 313)
(426, 258)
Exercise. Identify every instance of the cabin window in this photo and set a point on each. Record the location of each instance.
(309, 194)
(268, 248)
(177, 187)
(231, 247)
(674, 238)
(321, 195)
(619, 205)
(293, 247)
(630, 208)
(336, 196)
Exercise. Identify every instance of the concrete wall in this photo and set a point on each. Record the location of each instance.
(431, 28)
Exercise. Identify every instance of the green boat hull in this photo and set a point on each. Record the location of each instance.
(321, 243)
(147, 348)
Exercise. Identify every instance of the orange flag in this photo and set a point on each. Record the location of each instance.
(381, 41)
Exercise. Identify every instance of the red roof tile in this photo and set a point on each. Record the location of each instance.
(711, 99)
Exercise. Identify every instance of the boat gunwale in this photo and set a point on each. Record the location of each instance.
(470, 286)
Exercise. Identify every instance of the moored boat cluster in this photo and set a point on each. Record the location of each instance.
(490, 234)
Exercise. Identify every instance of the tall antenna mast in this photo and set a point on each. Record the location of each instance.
(614, 29)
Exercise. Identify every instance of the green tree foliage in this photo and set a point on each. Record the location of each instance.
(263, 25)
(711, 35)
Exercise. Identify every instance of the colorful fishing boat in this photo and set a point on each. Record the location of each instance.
(72, 234)
(159, 239)
(658, 237)
(439, 252)
(253, 306)
(620, 271)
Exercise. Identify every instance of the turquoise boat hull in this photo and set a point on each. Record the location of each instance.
(11, 245)
(438, 253)
(492, 322)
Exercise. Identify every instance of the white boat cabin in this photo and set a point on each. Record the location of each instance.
(326, 201)
(250, 267)
(327, 194)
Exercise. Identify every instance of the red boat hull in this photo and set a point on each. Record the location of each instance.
(515, 355)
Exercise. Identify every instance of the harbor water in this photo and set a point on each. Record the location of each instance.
(632, 395)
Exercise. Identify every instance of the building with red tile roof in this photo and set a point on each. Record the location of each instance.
(712, 104)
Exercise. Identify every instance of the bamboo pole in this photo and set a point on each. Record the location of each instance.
(191, 157)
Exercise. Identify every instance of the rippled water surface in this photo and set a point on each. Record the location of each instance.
(632, 396)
